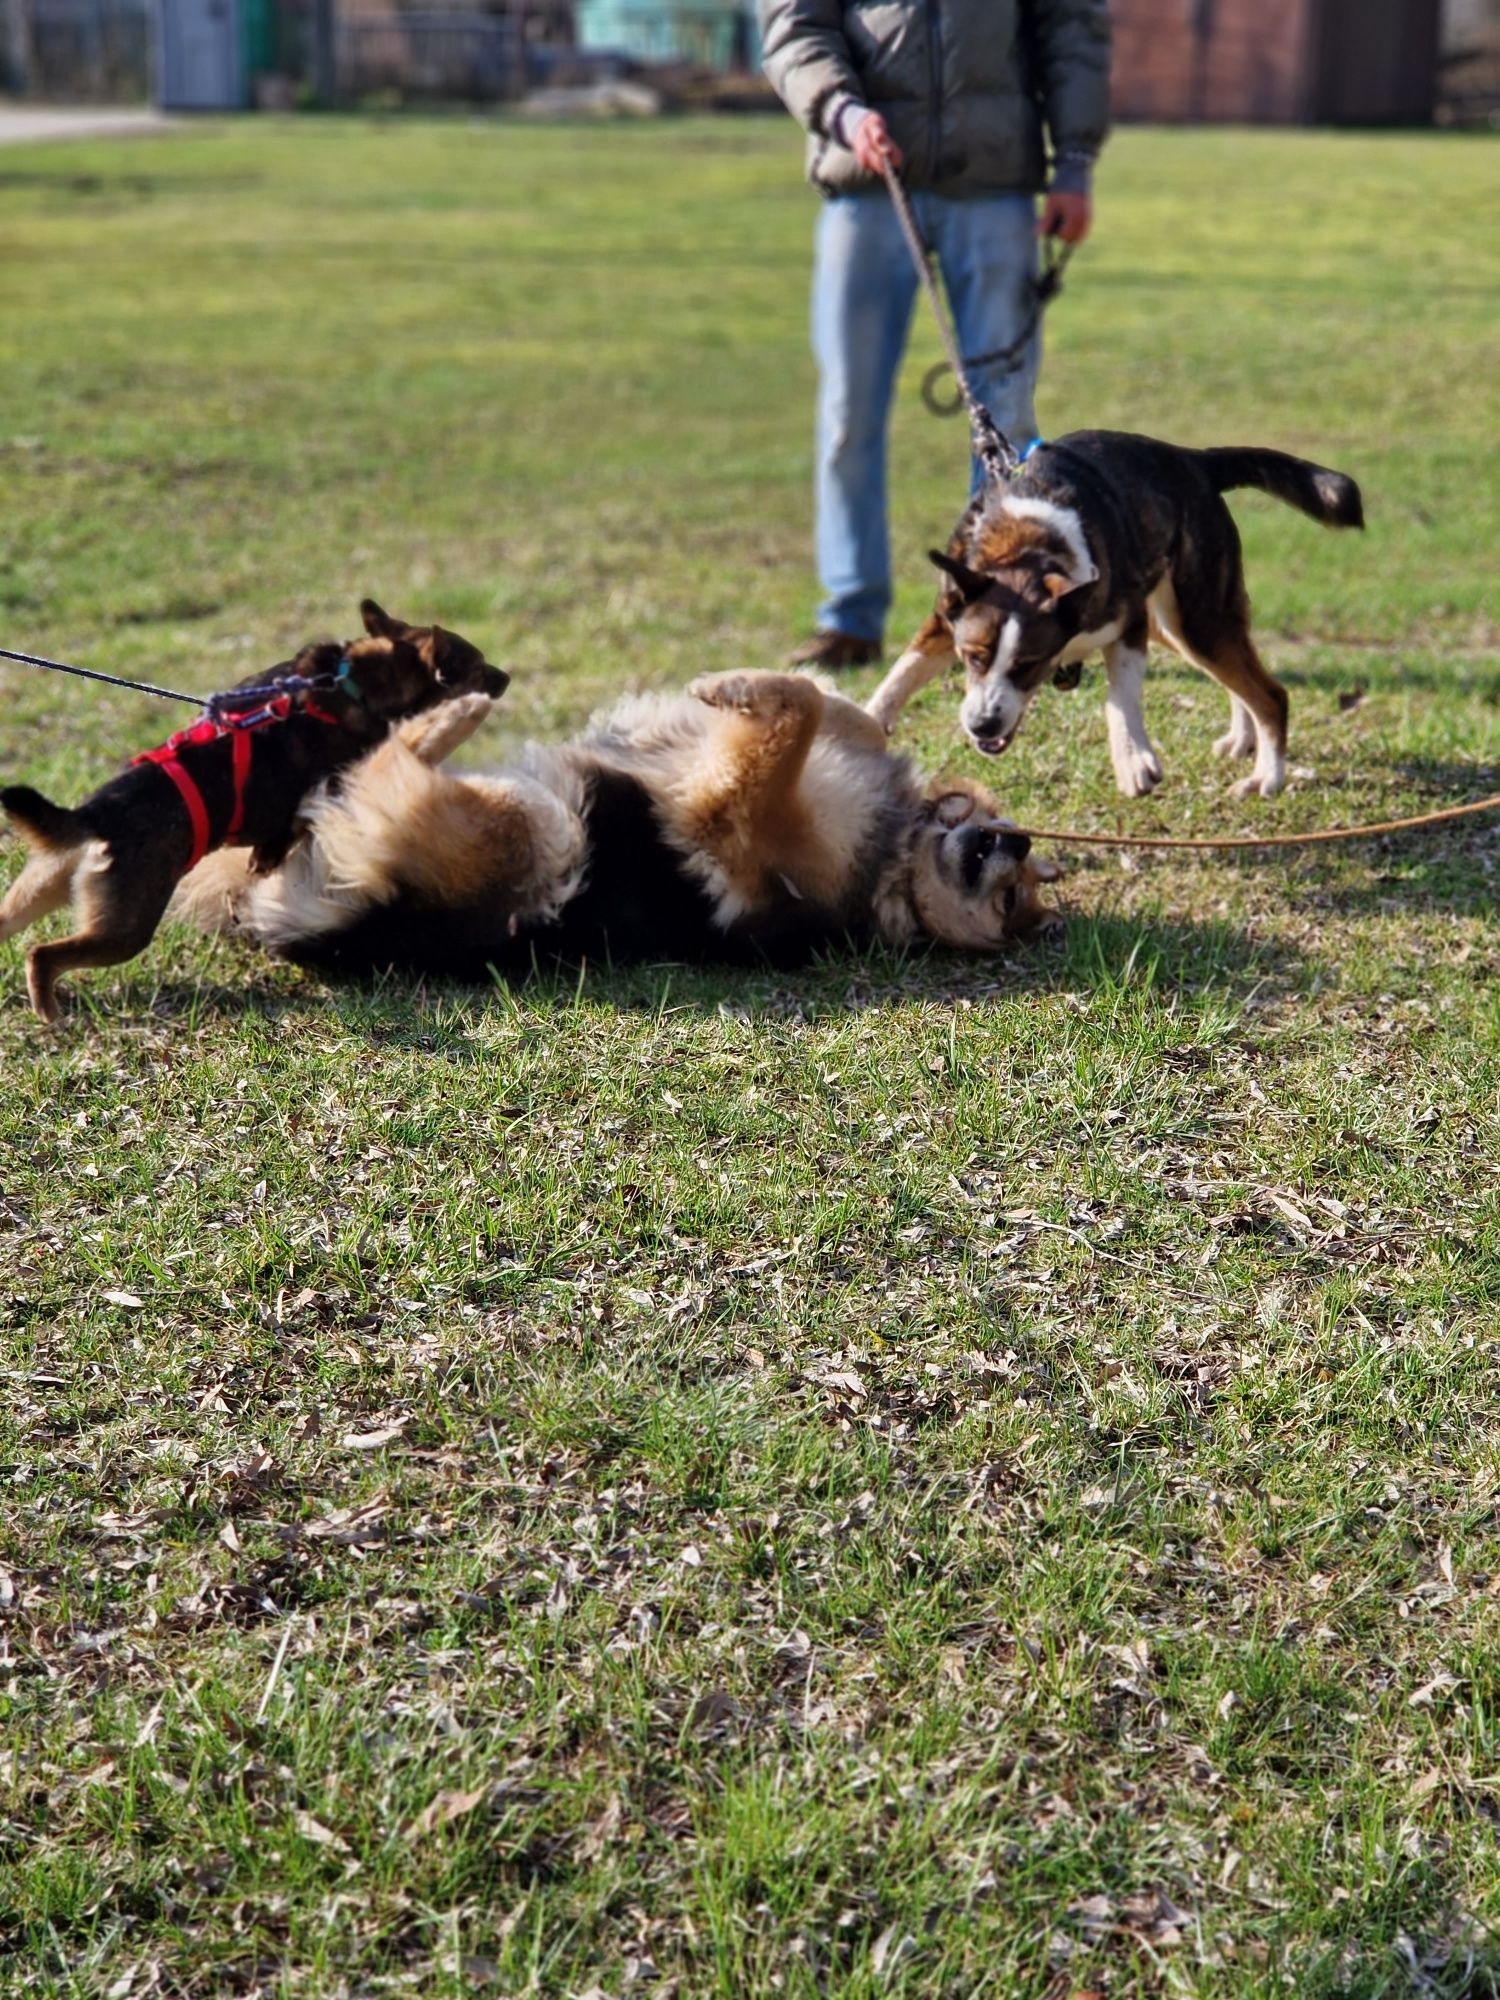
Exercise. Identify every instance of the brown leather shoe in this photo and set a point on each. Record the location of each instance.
(833, 650)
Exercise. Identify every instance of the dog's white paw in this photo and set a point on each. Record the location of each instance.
(1137, 770)
(1259, 784)
(1235, 742)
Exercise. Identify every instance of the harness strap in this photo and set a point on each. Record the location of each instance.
(191, 797)
(242, 750)
(241, 733)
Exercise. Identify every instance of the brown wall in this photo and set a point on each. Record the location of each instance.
(1240, 60)
(1275, 62)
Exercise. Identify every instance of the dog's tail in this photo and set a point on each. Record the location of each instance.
(38, 821)
(1329, 497)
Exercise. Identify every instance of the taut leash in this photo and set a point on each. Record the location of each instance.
(109, 680)
(221, 709)
(1230, 842)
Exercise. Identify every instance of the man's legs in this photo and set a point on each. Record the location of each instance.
(863, 287)
(986, 246)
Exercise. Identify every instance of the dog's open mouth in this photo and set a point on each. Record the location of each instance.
(991, 746)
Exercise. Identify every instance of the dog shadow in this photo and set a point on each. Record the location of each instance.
(1446, 870)
(1096, 957)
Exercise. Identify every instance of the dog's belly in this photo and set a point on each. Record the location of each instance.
(1087, 644)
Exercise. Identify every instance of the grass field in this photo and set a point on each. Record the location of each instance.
(924, 1478)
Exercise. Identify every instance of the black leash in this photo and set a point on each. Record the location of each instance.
(110, 680)
(1044, 289)
(220, 708)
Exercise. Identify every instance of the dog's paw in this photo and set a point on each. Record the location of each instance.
(745, 694)
(1137, 770)
(439, 732)
(1235, 742)
(1259, 784)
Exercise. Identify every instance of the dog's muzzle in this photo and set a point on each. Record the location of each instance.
(990, 743)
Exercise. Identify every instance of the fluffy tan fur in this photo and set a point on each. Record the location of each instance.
(762, 783)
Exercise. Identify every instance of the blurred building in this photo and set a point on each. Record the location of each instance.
(716, 34)
(1286, 62)
(1278, 62)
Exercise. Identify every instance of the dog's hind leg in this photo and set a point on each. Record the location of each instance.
(928, 653)
(48, 962)
(1237, 666)
(1137, 766)
(43, 885)
(118, 917)
(1209, 624)
(1238, 739)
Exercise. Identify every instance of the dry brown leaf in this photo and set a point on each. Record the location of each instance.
(445, 1807)
(315, 1831)
(373, 1440)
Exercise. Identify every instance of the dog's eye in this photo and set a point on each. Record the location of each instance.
(978, 663)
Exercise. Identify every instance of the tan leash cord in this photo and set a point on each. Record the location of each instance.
(1225, 843)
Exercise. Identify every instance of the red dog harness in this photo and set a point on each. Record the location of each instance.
(241, 733)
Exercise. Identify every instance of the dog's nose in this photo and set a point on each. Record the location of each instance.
(989, 736)
(496, 680)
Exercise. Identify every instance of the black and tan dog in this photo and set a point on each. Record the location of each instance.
(1102, 541)
(755, 818)
(118, 857)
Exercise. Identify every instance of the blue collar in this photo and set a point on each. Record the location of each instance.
(345, 682)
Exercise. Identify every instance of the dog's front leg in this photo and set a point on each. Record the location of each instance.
(928, 654)
(434, 735)
(1137, 766)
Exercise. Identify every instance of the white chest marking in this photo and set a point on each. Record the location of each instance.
(1088, 643)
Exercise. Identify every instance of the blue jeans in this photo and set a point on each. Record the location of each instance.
(863, 289)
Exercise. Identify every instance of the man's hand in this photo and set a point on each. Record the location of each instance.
(870, 142)
(1068, 216)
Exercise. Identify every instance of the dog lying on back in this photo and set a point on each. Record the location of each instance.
(118, 857)
(1101, 541)
(755, 818)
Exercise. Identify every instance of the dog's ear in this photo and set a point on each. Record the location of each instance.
(1059, 582)
(967, 583)
(379, 624)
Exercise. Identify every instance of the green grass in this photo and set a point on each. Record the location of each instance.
(926, 1477)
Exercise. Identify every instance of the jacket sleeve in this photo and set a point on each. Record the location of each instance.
(1071, 41)
(808, 62)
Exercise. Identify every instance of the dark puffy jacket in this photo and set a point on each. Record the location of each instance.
(970, 90)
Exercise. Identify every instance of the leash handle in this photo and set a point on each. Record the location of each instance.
(1045, 288)
(88, 674)
(992, 447)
